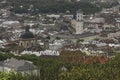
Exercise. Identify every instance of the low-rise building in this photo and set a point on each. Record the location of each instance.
(18, 66)
(94, 25)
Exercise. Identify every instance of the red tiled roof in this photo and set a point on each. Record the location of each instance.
(90, 59)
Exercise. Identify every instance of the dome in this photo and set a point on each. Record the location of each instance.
(27, 34)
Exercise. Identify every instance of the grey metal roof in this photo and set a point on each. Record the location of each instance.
(18, 65)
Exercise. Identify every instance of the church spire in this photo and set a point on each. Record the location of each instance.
(27, 28)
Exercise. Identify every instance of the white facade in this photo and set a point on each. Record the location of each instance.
(112, 35)
(53, 15)
(11, 24)
(27, 43)
(79, 22)
(79, 28)
(55, 46)
(79, 16)
(43, 53)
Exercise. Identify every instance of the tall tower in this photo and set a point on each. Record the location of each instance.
(79, 22)
(79, 28)
(79, 15)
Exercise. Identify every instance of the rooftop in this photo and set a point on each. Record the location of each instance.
(18, 65)
(27, 34)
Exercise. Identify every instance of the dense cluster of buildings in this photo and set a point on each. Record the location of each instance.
(53, 32)
(49, 34)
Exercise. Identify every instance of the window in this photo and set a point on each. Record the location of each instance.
(21, 44)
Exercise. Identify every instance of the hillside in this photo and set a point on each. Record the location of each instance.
(51, 6)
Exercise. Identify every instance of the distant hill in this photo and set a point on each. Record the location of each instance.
(51, 6)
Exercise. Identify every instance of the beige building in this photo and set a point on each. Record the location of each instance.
(27, 39)
(78, 23)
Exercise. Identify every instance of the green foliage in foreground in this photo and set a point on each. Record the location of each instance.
(11, 75)
(50, 69)
(109, 71)
(92, 72)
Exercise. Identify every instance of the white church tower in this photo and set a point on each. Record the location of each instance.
(79, 15)
(79, 22)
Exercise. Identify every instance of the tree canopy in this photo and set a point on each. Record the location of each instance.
(50, 68)
(51, 6)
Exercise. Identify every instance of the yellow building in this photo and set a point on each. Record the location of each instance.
(27, 39)
(73, 23)
(78, 26)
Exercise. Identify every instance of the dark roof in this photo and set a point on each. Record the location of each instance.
(27, 35)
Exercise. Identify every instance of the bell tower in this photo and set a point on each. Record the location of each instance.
(79, 15)
(79, 22)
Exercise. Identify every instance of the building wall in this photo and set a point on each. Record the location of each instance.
(118, 24)
(73, 23)
(112, 35)
(27, 43)
(6, 69)
(79, 16)
(54, 47)
(93, 27)
(79, 28)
